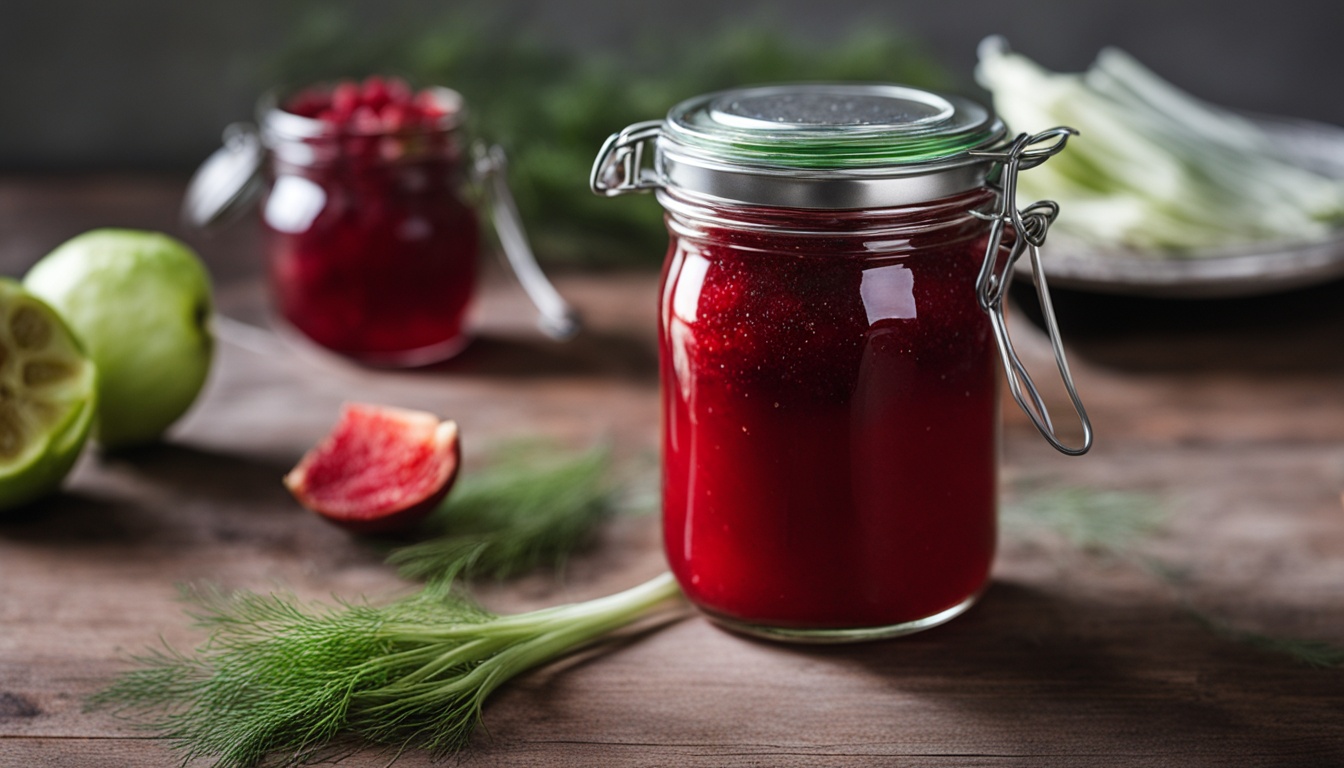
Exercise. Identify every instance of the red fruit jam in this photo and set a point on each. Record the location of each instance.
(372, 248)
(830, 396)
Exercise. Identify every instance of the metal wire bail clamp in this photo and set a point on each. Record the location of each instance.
(620, 168)
(1030, 226)
(555, 317)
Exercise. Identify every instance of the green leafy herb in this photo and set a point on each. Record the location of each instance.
(1106, 521)
(1313, 653)
(283, 682)
(521, 512)
(1112, 522)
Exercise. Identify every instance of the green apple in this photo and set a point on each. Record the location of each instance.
(140, 304)
(48, 390)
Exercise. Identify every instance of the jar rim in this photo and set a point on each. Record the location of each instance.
(279, 126)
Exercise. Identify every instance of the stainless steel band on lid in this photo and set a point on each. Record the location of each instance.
(807, 146)
(817, 189)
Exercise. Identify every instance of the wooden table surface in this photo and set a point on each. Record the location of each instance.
(1181, 645)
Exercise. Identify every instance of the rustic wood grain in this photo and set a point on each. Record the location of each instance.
(1233, 424)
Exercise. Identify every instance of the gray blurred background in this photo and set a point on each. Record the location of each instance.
(147, 85)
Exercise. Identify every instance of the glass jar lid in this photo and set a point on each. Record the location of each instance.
(830, 126)
(811, 145)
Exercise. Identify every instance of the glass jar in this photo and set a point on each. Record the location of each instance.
(830, 335)
(372, 234)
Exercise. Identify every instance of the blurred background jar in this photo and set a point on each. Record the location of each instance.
(369, 197)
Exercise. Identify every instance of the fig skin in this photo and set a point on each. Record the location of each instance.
(398, 515)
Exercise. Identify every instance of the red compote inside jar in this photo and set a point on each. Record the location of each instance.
(831, 330)
(830, 417)
(371, 247)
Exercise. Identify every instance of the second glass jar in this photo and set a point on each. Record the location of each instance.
(372, 200)
(370, 240)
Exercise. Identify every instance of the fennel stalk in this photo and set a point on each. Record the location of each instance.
(281, 682)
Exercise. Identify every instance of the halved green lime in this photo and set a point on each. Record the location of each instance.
(47, 399)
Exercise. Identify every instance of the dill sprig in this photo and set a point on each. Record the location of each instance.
(530, 507)
(1308, 651)
(1089, 519)
(1113, 522)
(283, 682)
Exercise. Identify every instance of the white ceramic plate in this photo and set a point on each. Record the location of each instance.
(1263, 268)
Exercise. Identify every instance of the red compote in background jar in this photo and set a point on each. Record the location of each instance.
(831, 327)
(368, 211)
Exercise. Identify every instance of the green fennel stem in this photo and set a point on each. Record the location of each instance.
(277, 682)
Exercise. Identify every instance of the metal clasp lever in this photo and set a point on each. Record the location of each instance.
(1030, 226)
(619, 168)
(556, 318)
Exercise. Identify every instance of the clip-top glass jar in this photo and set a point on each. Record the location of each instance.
(370, 225)
(831, 326)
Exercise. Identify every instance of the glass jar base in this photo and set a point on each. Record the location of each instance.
(412, 358)
(837, 636)
(419, 357)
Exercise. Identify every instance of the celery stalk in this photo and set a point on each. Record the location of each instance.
(1155, 169)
